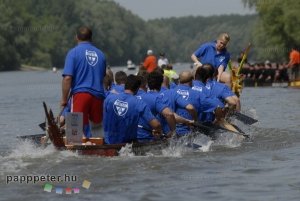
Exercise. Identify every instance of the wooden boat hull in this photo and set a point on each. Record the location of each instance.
(105, 149)
(114, 149)
(99, 149)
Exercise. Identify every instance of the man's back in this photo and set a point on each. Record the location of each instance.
(218, 90)
(156, 104)
(87, 65)
(121, 115)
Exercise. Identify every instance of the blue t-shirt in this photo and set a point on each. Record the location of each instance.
(218, 90)
(117, 88)
(157, 104)
(87, 66)
(174, 101)
(173, 85)
(192, 97)
(121, 115)
(139, 93)
(207, 54)
(208, 104)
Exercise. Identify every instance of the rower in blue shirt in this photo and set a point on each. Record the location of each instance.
(143, 76)
(184, 90)
(157, 105)
(122, 113)
(120, 78)
(209, 103)
(176, 101)
(199, 100)
(216, 91)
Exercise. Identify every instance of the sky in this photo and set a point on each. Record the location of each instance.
(151, 9)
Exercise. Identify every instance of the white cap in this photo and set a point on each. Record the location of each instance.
(149, 52)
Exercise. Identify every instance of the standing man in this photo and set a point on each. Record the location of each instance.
(150, 62)
(215, 53)
(83, 75)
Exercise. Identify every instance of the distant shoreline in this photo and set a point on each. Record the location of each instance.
(32, 68)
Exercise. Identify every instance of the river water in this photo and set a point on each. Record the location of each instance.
(267, 167)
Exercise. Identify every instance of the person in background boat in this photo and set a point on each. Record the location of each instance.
(216, 54)
(283, 73)
(150, 62)
(122, 113)
(157, 105)
(162, 60)
(294, 63)
(258, 73)
(267, 73)
(83, 75)
(120, 78)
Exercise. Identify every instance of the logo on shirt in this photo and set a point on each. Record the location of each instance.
(183, 93)
(197, 88)
(91, 57)
(221, 58)
(208, 86)
(120, 107)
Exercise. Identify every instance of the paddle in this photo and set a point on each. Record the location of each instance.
(210, 128)
(244, 118)
(205, 128)
(231, 128)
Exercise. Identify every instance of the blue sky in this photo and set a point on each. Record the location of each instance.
(150, 9)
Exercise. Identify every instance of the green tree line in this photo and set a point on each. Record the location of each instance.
(277, 29)
(40, 32)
